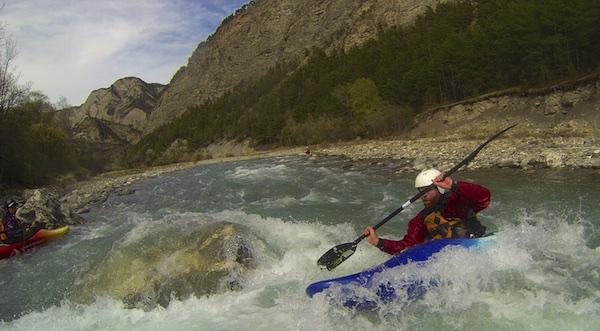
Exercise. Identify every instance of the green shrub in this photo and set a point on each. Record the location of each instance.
(34, 150)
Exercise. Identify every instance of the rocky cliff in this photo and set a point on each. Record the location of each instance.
(117, 114)
(253, 40)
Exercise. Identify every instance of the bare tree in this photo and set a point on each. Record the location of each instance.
(62, 103)
(11, 93)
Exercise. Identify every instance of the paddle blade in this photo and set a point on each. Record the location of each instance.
(336, 255)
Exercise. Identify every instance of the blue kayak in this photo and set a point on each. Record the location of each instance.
(349, 285)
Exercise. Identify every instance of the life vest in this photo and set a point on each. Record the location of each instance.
(439, 227)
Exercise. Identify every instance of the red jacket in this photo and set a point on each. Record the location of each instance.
(464, 200)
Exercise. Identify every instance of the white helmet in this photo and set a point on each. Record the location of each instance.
(426, 177)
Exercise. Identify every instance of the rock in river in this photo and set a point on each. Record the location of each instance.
(153, 267)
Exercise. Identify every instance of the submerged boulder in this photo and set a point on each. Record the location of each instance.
(153, 268)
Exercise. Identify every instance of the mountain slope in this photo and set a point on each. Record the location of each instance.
(247, 44)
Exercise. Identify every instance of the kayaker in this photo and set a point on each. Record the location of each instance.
(11, 225)
(450, 209)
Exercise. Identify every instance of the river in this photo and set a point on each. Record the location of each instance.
(147, 261)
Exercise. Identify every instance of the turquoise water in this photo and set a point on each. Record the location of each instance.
(543, 273)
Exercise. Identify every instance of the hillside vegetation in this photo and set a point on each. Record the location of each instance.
(460, 50)
(37, 151)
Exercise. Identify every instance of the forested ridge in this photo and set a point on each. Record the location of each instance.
(459, 50)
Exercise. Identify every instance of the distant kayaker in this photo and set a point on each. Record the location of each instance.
(449, 212)
(12, 227)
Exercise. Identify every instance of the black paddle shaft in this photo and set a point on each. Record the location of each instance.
(340, 253)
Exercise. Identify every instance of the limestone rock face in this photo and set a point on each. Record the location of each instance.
(118, 113)
(247, 44)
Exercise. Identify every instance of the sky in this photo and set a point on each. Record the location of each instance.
(68, 48)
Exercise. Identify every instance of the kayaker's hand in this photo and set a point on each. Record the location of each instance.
(371, 235)
(445, 184)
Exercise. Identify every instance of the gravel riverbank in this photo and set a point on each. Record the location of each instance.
(523, 153)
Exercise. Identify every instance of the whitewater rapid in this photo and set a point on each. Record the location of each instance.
(543, 273)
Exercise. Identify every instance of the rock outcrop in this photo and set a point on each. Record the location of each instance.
(266, 32)
(42, 208)
(117, 114)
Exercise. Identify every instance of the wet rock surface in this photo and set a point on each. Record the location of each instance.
(42, 208)
(152, 268)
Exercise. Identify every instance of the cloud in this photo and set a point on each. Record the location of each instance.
(69, 48)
